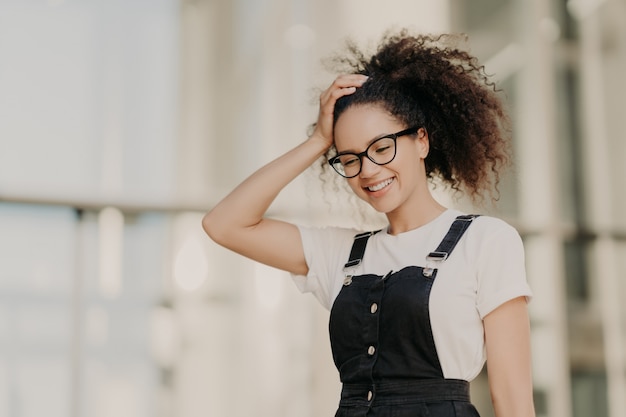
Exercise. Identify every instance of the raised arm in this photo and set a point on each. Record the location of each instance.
(238, 222)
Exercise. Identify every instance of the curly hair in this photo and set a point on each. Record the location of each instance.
(428, 81)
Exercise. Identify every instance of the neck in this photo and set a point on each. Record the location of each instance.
(405, 219)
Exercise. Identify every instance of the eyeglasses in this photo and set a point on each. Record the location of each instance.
(381, 152)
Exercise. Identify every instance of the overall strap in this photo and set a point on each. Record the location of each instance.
(456, 231)
(358, 248)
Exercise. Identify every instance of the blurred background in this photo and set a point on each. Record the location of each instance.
(123, 121)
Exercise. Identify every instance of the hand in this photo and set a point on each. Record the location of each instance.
(342, 86)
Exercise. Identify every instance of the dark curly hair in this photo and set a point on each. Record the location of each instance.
(428, 81)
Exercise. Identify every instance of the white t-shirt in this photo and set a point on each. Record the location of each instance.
(485, 270)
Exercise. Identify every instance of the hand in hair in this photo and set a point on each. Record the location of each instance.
(342, 86)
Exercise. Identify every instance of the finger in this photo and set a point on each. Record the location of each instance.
(350, 80)
(341, 88)
(327, 102)
(340, 92)
(345, 81)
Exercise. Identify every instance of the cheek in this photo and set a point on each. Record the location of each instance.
(357, 190)
(410, 161)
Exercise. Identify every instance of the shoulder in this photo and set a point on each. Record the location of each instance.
(490, 238)
(329, 240)
(482, 229)
(487, 228)
(493, 241)
(326, 250)
(499, 265)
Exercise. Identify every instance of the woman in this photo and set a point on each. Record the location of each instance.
(416, 308)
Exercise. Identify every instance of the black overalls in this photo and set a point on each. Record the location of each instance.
(383, 345)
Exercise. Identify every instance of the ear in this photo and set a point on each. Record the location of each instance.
(422, 142)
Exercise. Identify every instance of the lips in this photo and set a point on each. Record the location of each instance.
(380, 185)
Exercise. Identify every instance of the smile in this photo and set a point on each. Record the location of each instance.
(380, 185)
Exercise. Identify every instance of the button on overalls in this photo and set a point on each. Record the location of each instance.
(383, 345)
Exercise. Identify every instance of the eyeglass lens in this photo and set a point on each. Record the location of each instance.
(381, 152)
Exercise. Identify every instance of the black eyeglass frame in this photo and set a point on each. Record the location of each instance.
(335, 159)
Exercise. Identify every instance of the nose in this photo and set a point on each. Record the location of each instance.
(368, 168)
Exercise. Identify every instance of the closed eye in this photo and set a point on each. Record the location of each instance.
(348, 160)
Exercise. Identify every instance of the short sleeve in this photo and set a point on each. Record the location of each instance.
(501, 271)
(325, 252)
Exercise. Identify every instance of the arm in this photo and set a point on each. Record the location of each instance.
(507, 335)
(237, 222)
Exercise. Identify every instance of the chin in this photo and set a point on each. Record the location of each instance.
(382, 208)
(381, 205)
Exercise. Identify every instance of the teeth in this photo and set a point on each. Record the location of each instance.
(381, 185)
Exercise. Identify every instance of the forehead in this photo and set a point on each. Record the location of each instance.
(359, 125)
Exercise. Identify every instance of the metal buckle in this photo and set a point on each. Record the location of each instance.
(433, 257)
(349, 273)
(437, 256)
(352, 264)
(428, 272)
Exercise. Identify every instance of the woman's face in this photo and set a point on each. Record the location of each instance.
(387, 188)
